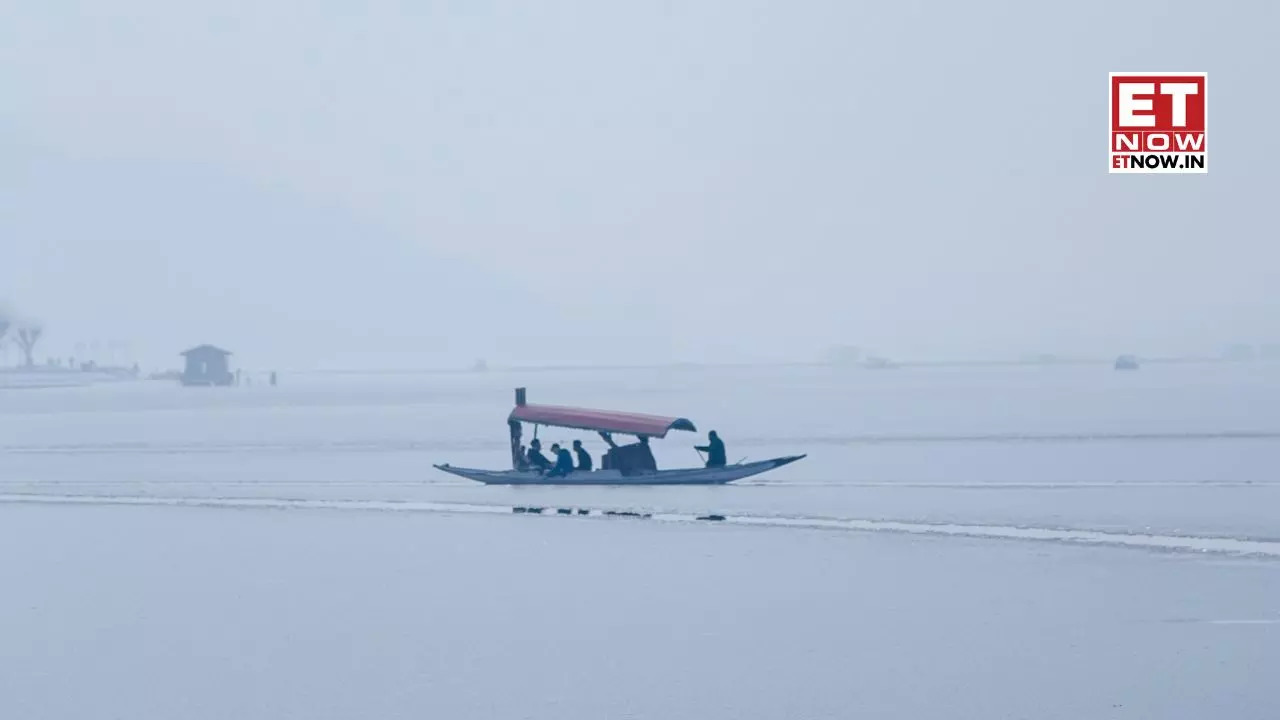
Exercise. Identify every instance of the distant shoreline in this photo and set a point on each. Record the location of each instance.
(1077, 362)
(58, 377)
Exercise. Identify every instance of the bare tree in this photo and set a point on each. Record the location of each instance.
(28, 336)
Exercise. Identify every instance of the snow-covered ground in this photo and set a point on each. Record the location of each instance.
(42, 378)
(1033, 542)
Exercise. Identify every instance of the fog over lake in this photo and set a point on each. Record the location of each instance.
(958, 542)
(266, 266)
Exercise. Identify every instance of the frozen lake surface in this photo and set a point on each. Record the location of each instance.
(1019, 542)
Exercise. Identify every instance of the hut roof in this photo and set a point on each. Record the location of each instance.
(206, 350)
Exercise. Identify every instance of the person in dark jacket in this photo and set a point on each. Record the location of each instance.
(537, 460)
(714, 450)
(564, 462)
(584, 457)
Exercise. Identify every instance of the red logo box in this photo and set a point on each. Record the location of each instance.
(1158, 122)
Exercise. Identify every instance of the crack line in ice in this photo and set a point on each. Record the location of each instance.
(1184, 543)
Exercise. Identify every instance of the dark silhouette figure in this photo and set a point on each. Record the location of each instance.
(644, 455)
(564, 462)
(714, 450)
(536, 458)
(584, 457)
(628, 459)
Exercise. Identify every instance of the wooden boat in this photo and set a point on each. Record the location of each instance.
(618, 466)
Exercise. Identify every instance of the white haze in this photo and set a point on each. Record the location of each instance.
(409, 184)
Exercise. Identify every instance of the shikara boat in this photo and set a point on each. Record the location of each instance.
(617, 465)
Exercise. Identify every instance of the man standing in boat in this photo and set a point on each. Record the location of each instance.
(714, 450)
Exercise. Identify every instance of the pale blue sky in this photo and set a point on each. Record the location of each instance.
(595, 182)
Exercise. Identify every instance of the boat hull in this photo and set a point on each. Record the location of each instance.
(682, 476)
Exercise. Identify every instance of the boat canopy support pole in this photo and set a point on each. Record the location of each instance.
(515, 428)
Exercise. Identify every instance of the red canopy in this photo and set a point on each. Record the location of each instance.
(600, 420)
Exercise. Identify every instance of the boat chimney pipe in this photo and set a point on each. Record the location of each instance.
(520, 396)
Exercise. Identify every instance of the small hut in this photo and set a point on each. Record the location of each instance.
(207, 365)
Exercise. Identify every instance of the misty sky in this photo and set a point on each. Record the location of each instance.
(398, 183)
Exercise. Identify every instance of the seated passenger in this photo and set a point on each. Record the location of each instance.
(584, 457)
(564, 462)
(537, 460)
